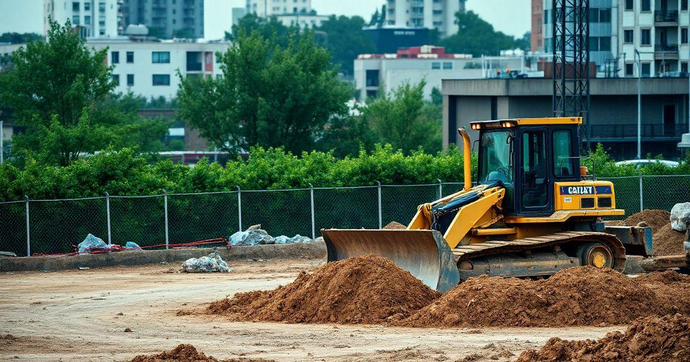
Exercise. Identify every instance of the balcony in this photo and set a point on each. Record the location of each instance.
(666, 51)
(621, 132)
(667, 17)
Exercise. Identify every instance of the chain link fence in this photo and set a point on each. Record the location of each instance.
(32, 227)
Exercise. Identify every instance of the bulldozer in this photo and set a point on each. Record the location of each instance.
(533, 212)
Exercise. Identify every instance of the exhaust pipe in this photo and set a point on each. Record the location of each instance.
(467, 157)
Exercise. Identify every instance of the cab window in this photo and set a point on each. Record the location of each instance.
(534, 169)
(563, 154)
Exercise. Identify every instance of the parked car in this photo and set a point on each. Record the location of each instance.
(640, 163)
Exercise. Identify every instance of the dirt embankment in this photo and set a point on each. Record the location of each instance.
(188, 353)
(666, 240)
(576, 296)
(649, 339)
(362, 290)
(373, 290)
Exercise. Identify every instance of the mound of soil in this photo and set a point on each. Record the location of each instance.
(655, 219)
(394, 225)
(361, 290)
(649, 339)
(188, 353)
(671, 288)
(576, 296)
(669, 242)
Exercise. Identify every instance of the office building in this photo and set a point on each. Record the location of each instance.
(268, 8)
(432, 14)
(93, 18)
(537, 33)
(166, 18)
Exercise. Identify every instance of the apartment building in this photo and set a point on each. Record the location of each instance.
(658, 30)
(166, 18)
(432, 14)
(149, 68)
(267, 8)
(94, 18)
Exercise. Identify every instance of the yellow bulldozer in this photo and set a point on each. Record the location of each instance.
(533, 212)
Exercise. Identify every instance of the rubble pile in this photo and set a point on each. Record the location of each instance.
(667, 241)
(255, 235)
(212, 263)
(188, 353)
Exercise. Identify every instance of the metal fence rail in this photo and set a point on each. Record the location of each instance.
(30, 227)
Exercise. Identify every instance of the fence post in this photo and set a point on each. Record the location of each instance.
(313, 216)
(641, 194)
(440, 188)
(380, 209)
(107, 216)
(28, 232)
(165, 205)
(239, 207)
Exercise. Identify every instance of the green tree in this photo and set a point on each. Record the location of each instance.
(477, 37)
(268, 95)
(269, 29)
(19, 38)
(346, 39)
(405, 120)
(59, 91)
(346, 136)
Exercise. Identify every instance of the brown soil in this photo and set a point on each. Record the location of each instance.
(361, 290)
(655, 219)
(648, 339)
(576, 296)
(669, 242)
(672, 290)
(394, 225)
(187, 353)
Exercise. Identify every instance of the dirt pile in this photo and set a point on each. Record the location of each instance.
(648, 339)
(361, 290)
(188, 353)
(671, 288)
(655, 219)
(666, 240)
(394, 226)
(576, 296)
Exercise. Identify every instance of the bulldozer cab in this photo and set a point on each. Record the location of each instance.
(527, 156)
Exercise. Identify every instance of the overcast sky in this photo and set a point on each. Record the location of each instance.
(509, 16)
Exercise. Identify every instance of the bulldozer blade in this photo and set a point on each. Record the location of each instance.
(423, 253)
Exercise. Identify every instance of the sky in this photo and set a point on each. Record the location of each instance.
(509, 16)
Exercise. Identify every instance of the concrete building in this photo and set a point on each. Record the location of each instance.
(432, 64)
(658, 29)
(304, 21)
(30, 21)
(604, 31)
(389, 39)
(432, 14)
(94, 18)
(149, 68)
(537, 34)
(267, 8)
(613, 113)
(166, 18)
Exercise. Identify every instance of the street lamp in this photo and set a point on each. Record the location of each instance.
(639, 104)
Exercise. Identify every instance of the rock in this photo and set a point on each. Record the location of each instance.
(212, 263)
(680, 217)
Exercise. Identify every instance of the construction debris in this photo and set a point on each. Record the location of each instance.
(649, 339)
(188, 353)
(680, 217)
(293, 240)
(665, 239)
(91, 244)
(212, 263)
(255, 235)
(361, 290)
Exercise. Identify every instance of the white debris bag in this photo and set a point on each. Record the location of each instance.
(253, 236)
(297, 239)
(212, 263)
(680, 217)
(91, 243)
(132, 246)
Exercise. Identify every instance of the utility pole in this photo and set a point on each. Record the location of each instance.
(639, 104)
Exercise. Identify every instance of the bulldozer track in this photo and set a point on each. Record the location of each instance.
(466, 252)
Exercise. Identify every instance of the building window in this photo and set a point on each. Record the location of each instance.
(87, 6)
(87, 20)
(160, 57)
(116, 79)
(75, 20)
(646, 5)
(629, 69)
(629, 4)
(75, 6)
(605, 15)
(116, 57)
(448, 66)
(683, 35)
(629, 36)
(646, 38)
(684, 67)
(646, 69)
(101, 7)
(563, 162)
(372, 78)
(372, 94)
(130, 80)
(130, 57)
(605, 44)
(436, 65)
(161, 79)
(684, 5)
(593, 43)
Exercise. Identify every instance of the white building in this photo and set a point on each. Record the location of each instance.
(96, 18)
(432, 14)
(302, 20)
(149, 68)
(267, 8)
(658, 29)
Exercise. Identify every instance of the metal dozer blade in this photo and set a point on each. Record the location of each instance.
(423, 253)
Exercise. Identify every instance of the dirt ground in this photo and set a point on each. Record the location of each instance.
(83, 314)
